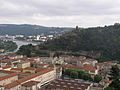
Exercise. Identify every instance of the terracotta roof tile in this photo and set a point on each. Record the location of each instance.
(16, 69)
(8, 76)
(88, 67)
(11, 85)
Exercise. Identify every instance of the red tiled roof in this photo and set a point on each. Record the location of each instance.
(16, 69)
(85, 67)
(8, 76)
(71, 66)
(8, 72)
(29, 68)
(20, 81)
(88, 67)
(5, 67)
(8, 86)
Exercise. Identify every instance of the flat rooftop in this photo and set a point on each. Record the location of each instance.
(67, 84)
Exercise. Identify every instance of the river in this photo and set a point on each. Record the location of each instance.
(20, 43)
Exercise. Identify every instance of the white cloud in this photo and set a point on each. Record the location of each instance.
(60, 12)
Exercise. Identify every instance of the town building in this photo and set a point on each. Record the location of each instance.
(30, 85)
(7, 77)
(21, 64)
(67, 84)
(43, 76)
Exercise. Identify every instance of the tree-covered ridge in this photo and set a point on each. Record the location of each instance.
(27, 29)
(105, 40)
(7, 46)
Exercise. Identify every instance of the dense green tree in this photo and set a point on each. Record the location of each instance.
(67, 72)
(114, 72)
(87, 76)
(115, 84)
(115, 76)
(26, 50)
(109, 88)
(30, 50)
(97, 78)
(73, 74)
(8, 45)
(78, 74)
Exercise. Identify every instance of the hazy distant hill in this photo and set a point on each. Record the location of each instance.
(27, 29)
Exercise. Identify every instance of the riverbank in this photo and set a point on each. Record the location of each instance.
(19, 44)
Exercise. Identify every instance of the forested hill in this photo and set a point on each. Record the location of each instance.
(105, 40)
(27, 29)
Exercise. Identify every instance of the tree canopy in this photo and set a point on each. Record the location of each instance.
(8, 45)
(80, 74)
(104, 40)
(115, 76)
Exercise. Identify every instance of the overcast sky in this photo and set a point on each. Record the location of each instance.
(83, 13)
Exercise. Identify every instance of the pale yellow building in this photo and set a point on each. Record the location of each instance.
(23, 64)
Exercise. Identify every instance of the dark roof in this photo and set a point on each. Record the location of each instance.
(67, 84)
(30, 83)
